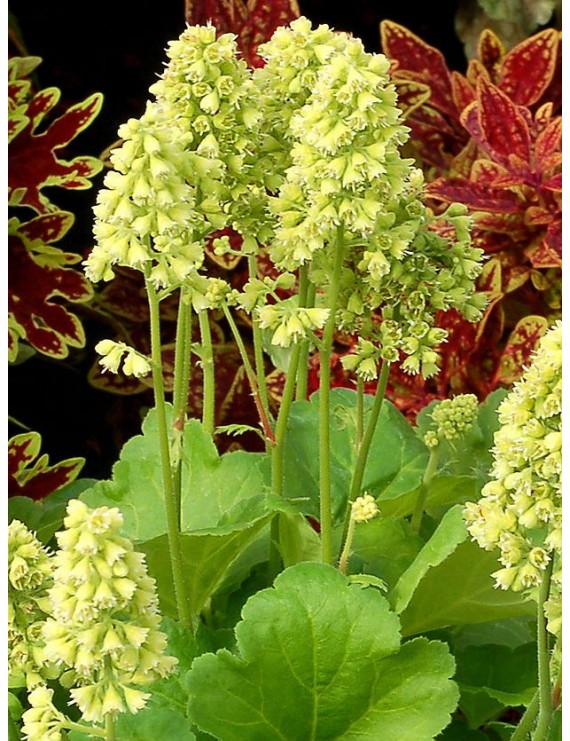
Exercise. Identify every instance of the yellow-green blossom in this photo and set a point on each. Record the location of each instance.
(290, 323)
(30, 574)
(134, 362)
(42, 721)
(104, 623)
(451, 419)
(520, 510)
(364, 508)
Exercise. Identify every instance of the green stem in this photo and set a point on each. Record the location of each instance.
(324, 406)
(251, 377)
(345, 555)
(110, 727)
(544, 682)
(209, 382)
(364, 449)
(182, 362)
(359, 414)
(87, 730)
(174, 544)
(307, 292)
(258, 348)
(431, 468)
(523, 729)
(277, 455)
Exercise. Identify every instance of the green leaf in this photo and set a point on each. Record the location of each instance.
(511, 632)
(555, 731)
(385, 548)
(320, 658)
(460, 590)
(450, 532)
(223, 507)
(298, 541)
(396, 462)
(153, 723)
(458, 731)
(450, 583)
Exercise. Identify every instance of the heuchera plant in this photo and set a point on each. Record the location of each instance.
(300, 586)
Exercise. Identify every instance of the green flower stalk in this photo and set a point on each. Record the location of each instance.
(30, 575)
(520, 511)
(104, 624)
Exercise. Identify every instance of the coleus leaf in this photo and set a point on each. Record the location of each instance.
(490, 51)
(320, 658)
(499, 127)
(33, 160)
(253, 22)
(521, 344)
(528, 68)
(38, 279)
(36, 480)
(428, 65)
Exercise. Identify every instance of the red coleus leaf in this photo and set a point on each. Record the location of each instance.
(253, 22)
(38, 280)
(528, 68)
(499, 127)
(520, 345)
(548, 148)
(33, 162)
(490, 51)
(426, 63)
(41, 479)
(475, 196)
(463, 93)
(411, 95)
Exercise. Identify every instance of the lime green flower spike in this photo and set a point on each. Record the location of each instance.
(104, 615)
(520, 511)
(452, 419)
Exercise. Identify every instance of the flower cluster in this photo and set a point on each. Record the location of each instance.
(29, 576)
(364, 508)
(290, 323)
(182, 167)
(104, 615)
(520, 511)
(452, 419)
(42, 721)
(134, 364)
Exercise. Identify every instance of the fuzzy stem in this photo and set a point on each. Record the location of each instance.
(277, 454)
(174, 544)
(110, 727)
(324, 406)
(364, 449)
(359, 414)
(345, 555)
(431, 467)
(258, 349)
(544, 683)
(209, 383)
(70, 725)
(251, 377)
(307, 293)
(526, 722)
(182, 362)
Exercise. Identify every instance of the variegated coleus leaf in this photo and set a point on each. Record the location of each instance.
(32, 476)
(253, 22)
(33, 150)
(520, 345)
(39, 279)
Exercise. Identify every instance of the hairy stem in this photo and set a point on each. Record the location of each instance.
(209, 383)
(174, 544)
(182, 363)
(523, 729)
(324, 406)
(258, 350)
(307, 293)
(431, 468)
(345, 555)
(110, 727)
(70, 725)
(364, 449)
(251, 377)
(359, 414)
(544, 682)
(277, 454)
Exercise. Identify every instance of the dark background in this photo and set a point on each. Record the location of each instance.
(117, 48)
